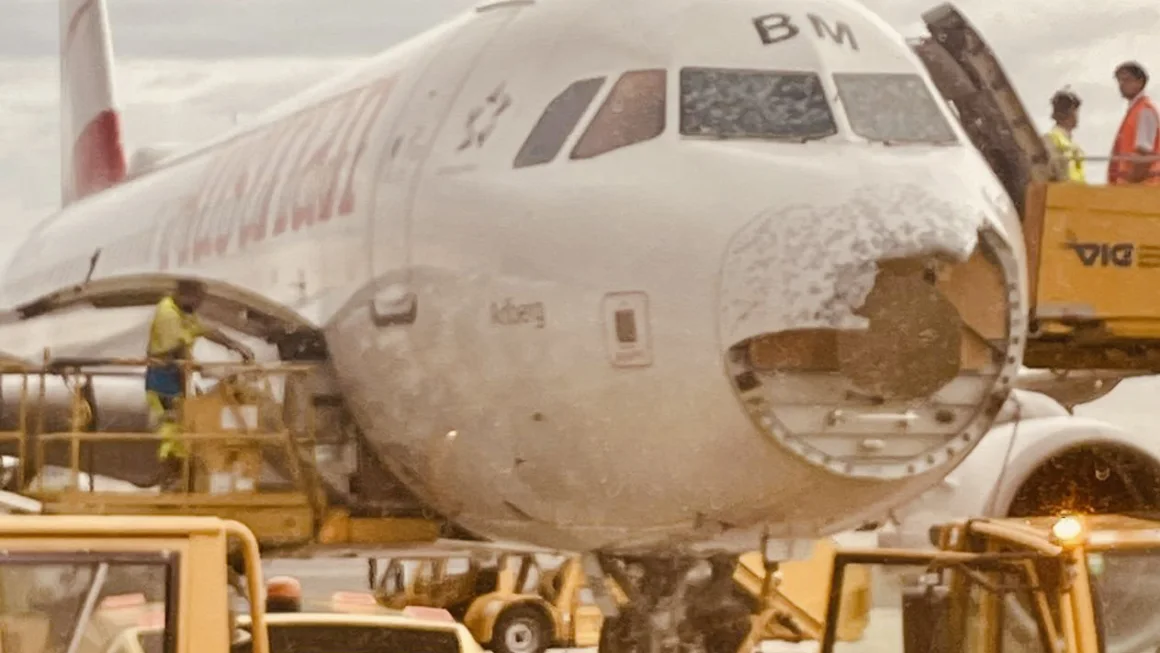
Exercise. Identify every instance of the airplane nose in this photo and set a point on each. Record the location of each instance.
(875, 336)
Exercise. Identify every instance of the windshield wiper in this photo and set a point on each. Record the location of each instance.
(90, 604)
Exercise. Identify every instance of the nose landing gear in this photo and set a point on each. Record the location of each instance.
(674, 609)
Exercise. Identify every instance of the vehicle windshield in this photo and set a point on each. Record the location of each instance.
(918, 597)
(1125, 585)
(893, 108)
(82, 603)
(730, 103)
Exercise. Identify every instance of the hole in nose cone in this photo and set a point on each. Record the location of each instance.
(911, 387)
(912, 345)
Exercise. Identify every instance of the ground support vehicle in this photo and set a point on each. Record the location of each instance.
(1091, 249)
(1070, 584)
(525, 599)
(254, 433)
(138, 584)
(74, 584)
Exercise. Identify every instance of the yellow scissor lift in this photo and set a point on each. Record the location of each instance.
(233, 431)
(1093, 251)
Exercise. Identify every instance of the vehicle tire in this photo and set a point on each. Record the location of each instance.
(521, 629)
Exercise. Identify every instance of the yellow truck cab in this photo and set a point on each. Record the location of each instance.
(1069, 584)
(121, 584)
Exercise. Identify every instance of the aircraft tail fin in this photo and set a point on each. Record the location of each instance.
(92, 154)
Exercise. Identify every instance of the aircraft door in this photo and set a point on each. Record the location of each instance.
(409, 147)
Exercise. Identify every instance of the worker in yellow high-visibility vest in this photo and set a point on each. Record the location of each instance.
(1066, 156)
(172, 335)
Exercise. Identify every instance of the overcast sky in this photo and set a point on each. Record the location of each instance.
(186, 69)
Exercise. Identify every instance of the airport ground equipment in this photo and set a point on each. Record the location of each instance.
(525, 600)
(1068, 584)
(254, 432)
(1093, 250)
(140, 584)
(76, 583)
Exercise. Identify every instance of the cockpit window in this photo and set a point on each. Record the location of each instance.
(557, 122)
(729, 103)
(634, 111)
(893, 108)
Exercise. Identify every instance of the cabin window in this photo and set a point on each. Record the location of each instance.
(633, 112)
(557, 122)
(893, 108)
(731, 103)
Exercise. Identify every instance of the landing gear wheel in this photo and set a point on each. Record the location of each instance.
(616, 635)
(724, 626)
(521, 629)
(670, 611)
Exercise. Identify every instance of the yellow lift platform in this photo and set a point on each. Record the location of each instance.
(1093, 251)
(236, 431)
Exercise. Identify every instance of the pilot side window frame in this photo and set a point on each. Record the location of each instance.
(607, 131)
(845, 84)
(558, 122)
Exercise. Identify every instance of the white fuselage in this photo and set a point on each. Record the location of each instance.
(506, 399)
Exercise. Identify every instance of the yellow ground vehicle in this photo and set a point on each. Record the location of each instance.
(329, 632)
(1071, 585)
(365, 631)
(509, 600)
(135, 584)
(1092, 249)
(244, 422)
(524, 600)
(60, 579)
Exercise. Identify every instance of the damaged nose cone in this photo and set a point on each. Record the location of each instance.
(911, 346)
(876, 338)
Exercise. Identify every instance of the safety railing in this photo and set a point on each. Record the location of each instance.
(18, 436)
(1099, 179)
(229, 432)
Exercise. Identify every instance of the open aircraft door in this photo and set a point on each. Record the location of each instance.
(969, 77)
(429, 100)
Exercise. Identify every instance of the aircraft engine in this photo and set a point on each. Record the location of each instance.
(1040, 460)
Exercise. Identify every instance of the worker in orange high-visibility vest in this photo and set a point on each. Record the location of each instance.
(1139, 134)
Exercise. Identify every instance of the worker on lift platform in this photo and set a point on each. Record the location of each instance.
(172, 335)
(1139, 134)
(1066, 156)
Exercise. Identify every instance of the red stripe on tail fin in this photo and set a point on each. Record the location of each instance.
(98, 157)
(92, 155)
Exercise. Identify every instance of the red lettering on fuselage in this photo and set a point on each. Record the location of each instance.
(302, 185)
(298, 171)
(377, 101)
(315, 120)
(256, 209)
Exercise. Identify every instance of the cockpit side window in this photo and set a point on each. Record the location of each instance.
(634, 111)
(755, 104)
(893, 108)
(557, 122)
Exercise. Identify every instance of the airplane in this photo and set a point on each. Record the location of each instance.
(659, 281)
